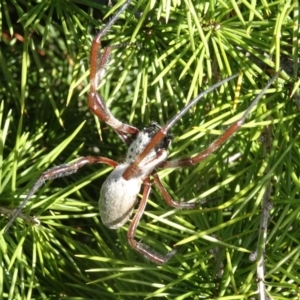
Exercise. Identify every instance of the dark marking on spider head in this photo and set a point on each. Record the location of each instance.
(152, 129)
(143, 138)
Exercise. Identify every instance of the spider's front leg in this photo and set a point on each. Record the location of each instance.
(97, 71)
(142, 248)
(57, 172)
(190, 161)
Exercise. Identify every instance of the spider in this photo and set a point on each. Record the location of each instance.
(146, 153)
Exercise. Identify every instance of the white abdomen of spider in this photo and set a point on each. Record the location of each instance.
(118, 196)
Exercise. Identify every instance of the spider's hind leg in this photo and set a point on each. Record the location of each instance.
(142, 248)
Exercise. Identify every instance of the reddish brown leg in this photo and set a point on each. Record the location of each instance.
(135, 166)
(134, 169)
(167, 197)
(95, 102)
(60, 171)
(185, 162)
(142, 248)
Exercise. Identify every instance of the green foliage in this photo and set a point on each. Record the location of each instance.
(178, 49)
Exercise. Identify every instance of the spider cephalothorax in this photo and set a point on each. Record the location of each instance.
(147, 153)
(142, 140)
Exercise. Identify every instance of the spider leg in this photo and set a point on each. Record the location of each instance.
(142, 248)
(185, 162)
(57, 172)
(97, 71)
(134, 168)
(167, 197)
